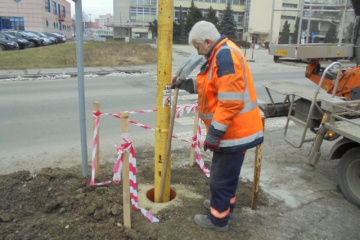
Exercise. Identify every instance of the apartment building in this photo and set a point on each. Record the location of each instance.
(103, 21)
(36, 15)
(317, 14)
(131, 17)
(256, 20)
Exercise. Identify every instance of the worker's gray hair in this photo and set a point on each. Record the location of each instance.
(203, 30)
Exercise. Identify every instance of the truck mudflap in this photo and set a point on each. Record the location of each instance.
(349, 175)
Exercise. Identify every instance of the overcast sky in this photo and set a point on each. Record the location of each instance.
(94, 7)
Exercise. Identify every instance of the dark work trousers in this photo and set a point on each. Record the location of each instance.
(224, 178)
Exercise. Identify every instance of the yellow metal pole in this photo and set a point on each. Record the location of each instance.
(165, 38)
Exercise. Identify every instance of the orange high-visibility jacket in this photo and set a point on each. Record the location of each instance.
(227, 98)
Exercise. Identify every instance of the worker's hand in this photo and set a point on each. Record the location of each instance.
(212, 142)
(184, 84)
(176, 82)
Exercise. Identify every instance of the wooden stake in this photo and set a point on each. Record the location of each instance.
(126, 172)
(257, 171)
(96, 107)
(195, 130)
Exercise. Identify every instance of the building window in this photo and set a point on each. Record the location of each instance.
(142, 14)
(54, 8)
(15, 23)
(289, 5)
(288, 17)
(47, 6)
(47, 23)
(63, 12)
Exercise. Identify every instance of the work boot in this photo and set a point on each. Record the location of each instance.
(207, 205)
(205, 222)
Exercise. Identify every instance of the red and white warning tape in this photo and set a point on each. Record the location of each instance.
(127, 146)
(197, 146)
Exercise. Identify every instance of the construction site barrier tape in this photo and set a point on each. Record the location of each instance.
(127, 146)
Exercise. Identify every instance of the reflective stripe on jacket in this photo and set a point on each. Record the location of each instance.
(227, 98)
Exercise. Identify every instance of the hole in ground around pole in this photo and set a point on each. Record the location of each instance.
(151, 194)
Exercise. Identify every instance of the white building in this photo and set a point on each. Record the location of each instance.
(255, 19)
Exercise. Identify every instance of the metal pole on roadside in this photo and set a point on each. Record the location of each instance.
(308, 23)
(81, 91)
(272, 22)
(300, 22)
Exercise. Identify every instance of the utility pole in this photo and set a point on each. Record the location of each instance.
(164, 67)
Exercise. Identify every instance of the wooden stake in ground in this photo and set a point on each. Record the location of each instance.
(96, 107)
(126, 172)
(195, 130)
(257, 171)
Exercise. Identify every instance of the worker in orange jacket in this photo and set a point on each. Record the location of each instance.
(228, 106)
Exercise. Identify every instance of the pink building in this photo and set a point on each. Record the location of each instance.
(36, 15)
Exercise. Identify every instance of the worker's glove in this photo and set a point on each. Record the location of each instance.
(212, 142)
(184, 84)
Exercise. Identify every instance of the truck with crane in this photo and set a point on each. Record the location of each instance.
(331, 111)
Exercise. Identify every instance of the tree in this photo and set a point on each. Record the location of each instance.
(211, 17)
(285, 34)
(296, 31)
(194, 15)
(153, 27)
(181, 22)
(227, 23)
(331, 34)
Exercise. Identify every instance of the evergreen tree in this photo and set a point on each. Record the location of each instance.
(331, 34)
(211, 17)
(194, 15)
(296, 31)
(182, 25)
(153, 27)
(227, 23)
(285, 34)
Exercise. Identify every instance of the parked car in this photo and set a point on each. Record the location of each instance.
(52, 38)
(58, 38)
(23, 43)
(8, 45)
(46, 40)
(34, 41)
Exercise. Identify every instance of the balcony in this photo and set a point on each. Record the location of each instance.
(61, 17)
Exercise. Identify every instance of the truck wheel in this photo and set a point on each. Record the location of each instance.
(349, 175)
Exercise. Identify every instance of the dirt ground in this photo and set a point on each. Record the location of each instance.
(59, 203)
(294, 203)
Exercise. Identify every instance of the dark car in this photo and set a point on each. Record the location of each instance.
(8, 45)
(23, 43)
(52, 38)
(46, 40)
(34, 41)
(59, 38)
